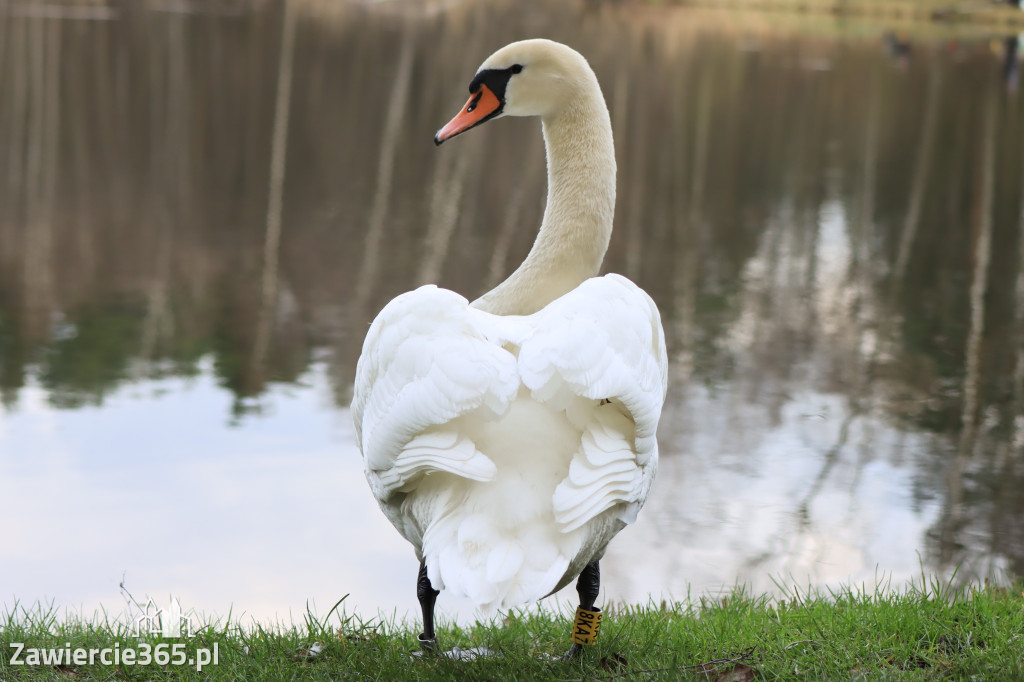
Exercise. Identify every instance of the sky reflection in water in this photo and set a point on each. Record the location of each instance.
(266, 514)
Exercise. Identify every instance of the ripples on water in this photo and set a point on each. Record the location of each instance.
(830, 223)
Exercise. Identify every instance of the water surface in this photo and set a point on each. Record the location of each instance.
(830, 223)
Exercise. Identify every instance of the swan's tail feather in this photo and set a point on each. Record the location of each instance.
(497, 568)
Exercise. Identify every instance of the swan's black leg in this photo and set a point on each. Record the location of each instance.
(588, 618)
(427, 596)
(588, 585)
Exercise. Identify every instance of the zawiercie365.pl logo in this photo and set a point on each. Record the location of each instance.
(153, 621)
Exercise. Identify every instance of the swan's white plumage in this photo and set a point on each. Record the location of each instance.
(510, 449)
(510, 439)
(426, 360)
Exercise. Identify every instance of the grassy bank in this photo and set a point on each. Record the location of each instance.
(932, 634)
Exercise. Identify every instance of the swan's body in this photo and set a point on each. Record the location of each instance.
(509, 439)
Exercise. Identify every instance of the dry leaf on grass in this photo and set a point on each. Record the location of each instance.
(737, 673)
(614, 663)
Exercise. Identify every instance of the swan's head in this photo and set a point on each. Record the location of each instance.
(528, 78)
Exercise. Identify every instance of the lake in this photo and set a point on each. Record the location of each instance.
(203, 206)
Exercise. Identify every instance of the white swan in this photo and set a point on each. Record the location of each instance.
(509, 439)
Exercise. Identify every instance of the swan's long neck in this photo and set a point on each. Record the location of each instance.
(578, 216)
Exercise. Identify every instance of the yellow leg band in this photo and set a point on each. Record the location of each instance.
(586, 626)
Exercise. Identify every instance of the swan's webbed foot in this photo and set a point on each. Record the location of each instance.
(428, 645)
(574, 652)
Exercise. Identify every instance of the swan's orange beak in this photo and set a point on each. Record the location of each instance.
(482, 105)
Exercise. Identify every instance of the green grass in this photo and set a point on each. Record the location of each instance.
(936, 633)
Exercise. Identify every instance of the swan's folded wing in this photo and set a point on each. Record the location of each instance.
(604, 473)
(602, 341)
(426, 360)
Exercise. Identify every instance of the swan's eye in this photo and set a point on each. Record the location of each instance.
(516, 68)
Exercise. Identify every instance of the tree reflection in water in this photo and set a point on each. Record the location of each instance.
(833, 234)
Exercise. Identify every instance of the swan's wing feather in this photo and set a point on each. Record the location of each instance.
(427, 359)
(602, 341)
(603, 474)
(435, 451)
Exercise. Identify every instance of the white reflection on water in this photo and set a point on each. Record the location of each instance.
(752, 502)
(155, 484)
(773, 478)
(268, 515)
